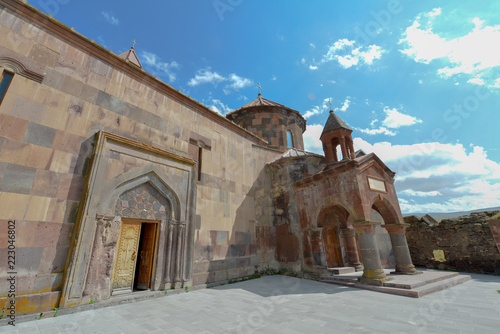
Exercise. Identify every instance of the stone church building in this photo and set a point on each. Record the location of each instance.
(120, 184)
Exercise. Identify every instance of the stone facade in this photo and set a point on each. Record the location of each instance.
(468, 243)
(103, 166)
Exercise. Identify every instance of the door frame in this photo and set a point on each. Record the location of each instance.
(155, 252)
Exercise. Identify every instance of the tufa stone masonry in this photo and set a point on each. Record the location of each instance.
(120, 184)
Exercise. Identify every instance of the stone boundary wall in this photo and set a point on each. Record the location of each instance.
(468, 243)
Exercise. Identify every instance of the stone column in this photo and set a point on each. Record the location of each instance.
(351, 148)
(168, 257)
(373, 273)
(178, 260)
(400, 248)
(343, 148)
(349, 235)
(329, 153)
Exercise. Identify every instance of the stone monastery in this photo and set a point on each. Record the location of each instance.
(119, 184)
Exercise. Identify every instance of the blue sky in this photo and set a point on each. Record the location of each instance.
(418, 81)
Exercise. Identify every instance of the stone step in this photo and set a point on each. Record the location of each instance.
(413, 281)
(416, 292)
(342, 270)
(442, 285)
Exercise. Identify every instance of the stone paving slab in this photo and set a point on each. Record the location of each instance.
(280, 304)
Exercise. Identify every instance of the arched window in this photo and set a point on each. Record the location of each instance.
(5, 80)
(289, 139)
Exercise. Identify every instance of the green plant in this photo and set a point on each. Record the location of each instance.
(91, 301)
(55, 309)
(498, 291)
(3, 312)
(40, 317)
(186, 288)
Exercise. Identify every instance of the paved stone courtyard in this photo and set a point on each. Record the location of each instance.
(280, 304)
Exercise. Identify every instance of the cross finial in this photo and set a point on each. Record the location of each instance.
(133, 43)
(259, 87)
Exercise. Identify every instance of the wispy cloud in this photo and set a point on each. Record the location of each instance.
(234, 82)
(347, 54)
(159, 67)
(394, 119)
(110, 18)
(205, 76)
(325, 106)
(378, 131)
(475, 54)
(217, 106)
(345, 105)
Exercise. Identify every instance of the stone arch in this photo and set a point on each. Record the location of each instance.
(334, 215)
(137, 177)
(17, 67)
(332, 221)
(383, 207)
(145, 202)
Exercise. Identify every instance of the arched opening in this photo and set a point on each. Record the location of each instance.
(332, 220)
(142, 209)
(383, 212)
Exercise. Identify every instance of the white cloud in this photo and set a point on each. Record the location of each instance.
(205, 76)
(159, 67)
(312, 143)
(395, 119)
(274, 78)
(235, 82)
(347, 55)
(312, 46)
(440, 177)
(476, 81)
(313, 68)
(411, 192)
(110, 18)
(380, 131)
(474, 53)
(217, 106)
(345, 105)
(238, 82)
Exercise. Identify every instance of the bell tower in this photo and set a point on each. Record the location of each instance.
(337, 134)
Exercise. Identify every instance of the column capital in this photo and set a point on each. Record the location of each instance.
(395, 228)
(349, 232)
(365, 226)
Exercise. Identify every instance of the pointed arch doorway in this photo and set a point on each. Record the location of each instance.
(136, 254)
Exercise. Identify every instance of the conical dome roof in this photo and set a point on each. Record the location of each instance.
(131, 56)
(334, 123)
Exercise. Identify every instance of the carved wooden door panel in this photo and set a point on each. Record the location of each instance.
(146, 256)
(331, 247)
(126, 255)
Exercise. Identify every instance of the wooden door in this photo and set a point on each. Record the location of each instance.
(146, 256)
(331, 247)
(124, 268)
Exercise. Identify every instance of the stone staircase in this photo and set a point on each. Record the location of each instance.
(416, 286)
